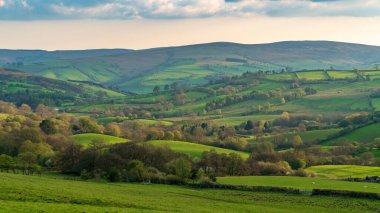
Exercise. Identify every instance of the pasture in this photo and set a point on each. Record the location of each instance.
(312, 75)
(344, 171)
(361, 135)
(87, 139)
(302, 183)
(194, 150)
(342, 74)
(47, 194)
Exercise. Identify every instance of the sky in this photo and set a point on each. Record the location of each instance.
(140, 24)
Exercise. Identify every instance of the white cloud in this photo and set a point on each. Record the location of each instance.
(167, 9)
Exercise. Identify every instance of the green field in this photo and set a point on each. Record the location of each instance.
(87, 139)
(193, 149)
(300, 183)
(344, 171)
(342, 74)
(364, 134)
(46, 194)
(155, 122)
(312, 75)
(376, 103)
(282, 77)
(309, 136)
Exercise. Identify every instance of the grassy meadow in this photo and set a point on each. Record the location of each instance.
(87, 139)
(194, 150)
(344, 171)
(53, 194)
(361, 135)
(302, 183)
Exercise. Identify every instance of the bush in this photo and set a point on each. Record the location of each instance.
(303, 173)
(174, 180)
(85, 175)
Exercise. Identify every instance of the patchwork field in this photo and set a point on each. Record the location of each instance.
(302, 183)
(87, 139)
(194, 150)
(344, 171)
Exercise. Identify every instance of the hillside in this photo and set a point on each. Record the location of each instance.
(139, 71)
(23, 88)
(195, 150)
(87, 139)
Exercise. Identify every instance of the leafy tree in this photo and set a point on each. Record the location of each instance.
(156, 90)
(297, 163)
(113, 129)
(49, 126)
(136, 171)
(6, 162)
(249, 125)
(87, 125)
(180, 167)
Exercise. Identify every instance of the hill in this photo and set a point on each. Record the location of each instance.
(86, 139)
(139, 71)
(30, 56)
(19, 88)
(195, 150)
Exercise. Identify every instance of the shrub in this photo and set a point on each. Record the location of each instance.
(174, 180)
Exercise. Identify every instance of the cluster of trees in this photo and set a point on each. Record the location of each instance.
(132, 162)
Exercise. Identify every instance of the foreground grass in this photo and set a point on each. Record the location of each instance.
(344, 171)
(193, 149)
(43, 194)
(300, 183)
(86, 139)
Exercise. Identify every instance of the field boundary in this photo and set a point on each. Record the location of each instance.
(288, 190)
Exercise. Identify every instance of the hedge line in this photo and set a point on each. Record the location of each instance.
(353, 194)
(213, 185)
(324, 192)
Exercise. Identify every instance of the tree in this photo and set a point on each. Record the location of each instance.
(249, 125)
(87, 125)
(156, 90)
(297, 163)
(297, 141)
(6, 162)
(67, 159)
(135, 171)
(180, 167)
(49, 126)
(25, 109)
(113, 129)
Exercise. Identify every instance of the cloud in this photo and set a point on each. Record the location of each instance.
(175, 9)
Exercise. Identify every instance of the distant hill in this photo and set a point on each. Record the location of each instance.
(141, 70)
(29, 56)
(19, 88)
